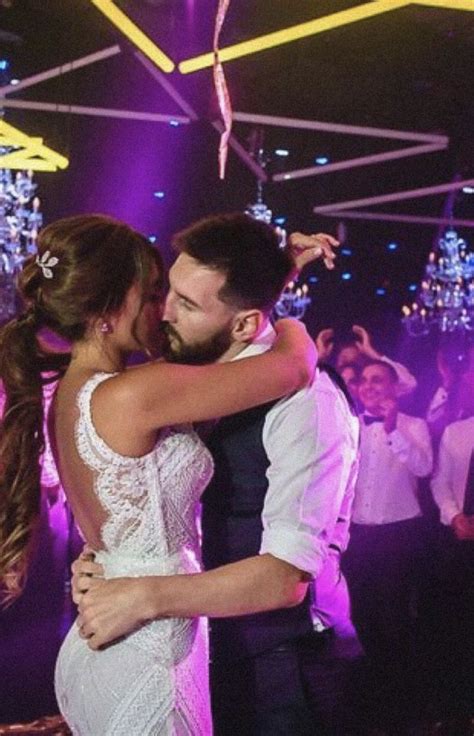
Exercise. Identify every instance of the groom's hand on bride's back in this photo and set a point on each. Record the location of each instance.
(109, 609)
(84, 569)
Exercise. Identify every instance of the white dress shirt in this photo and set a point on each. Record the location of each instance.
(311, 440)
(449, 481)
(389, 467)
(437, 405)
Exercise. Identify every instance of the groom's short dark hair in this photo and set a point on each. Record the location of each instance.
(247, 251)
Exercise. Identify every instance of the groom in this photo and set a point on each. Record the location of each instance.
(282, 472)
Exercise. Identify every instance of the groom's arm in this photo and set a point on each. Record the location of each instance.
(109, 609)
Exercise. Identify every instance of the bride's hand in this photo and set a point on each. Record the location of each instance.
(109, 610)
(293, 340)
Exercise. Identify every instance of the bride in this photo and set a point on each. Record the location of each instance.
(131, 467)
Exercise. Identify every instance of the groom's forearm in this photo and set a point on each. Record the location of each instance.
(259, 583)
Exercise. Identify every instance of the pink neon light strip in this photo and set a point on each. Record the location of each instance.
(393, 197)
(353, 163)
(385, 217)
(103, 112)
(163, 80)
(57, 71)
(403, 135)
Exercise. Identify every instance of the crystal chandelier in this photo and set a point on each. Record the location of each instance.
(20, 221)
(294, 299)
(445, 300)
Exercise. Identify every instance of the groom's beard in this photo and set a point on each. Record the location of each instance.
(175, 350)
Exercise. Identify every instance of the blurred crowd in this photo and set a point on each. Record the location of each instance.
(409, 564)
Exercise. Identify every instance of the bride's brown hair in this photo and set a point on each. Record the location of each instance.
(98, 260)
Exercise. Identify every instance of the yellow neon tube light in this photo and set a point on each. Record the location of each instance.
(17, 161)
(293, 33)
(451, 4)
(134, 34)
(311, 28)
(30, 147)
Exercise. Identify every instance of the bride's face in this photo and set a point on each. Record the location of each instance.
(138, 324)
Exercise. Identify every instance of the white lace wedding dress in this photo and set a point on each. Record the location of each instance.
(155, 681)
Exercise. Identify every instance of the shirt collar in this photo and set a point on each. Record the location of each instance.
(261, 344)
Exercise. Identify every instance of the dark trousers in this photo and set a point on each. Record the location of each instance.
(449, 627)
(383, 565)
(300, 688)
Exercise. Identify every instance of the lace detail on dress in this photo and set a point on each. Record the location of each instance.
(155, 680)
(151, 499)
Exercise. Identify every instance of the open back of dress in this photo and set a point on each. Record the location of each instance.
(155, 680)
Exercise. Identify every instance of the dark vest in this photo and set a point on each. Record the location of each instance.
(232, 531)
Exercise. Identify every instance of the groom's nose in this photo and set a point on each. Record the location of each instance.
(169, 313)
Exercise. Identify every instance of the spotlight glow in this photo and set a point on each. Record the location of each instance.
(392, 246)
(159, 195)
(346, 276)
(282, 152)
(321, 160)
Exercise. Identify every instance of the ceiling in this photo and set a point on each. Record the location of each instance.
(409, 69)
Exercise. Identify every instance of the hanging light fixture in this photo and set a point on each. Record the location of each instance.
(20, 221)
(445, 300)
(294, 299)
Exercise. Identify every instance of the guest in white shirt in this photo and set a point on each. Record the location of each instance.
(452, 361)
(453, 600)
(450, 480)
(387, 531)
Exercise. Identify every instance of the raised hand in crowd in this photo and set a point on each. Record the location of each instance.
(308, 248)
(325, 344)
(363, 342)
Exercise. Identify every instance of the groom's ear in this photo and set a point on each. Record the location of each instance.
(247, 325)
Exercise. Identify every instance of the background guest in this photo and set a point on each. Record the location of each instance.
(383, 558)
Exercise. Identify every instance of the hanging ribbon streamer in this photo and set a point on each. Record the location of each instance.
(221, 88)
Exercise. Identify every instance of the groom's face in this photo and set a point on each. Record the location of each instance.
(198, 325)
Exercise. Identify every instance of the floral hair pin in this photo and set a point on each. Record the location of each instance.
(46, 263)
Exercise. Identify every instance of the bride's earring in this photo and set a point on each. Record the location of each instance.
(105, 327)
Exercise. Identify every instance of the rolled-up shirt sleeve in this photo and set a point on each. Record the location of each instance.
(311, 443)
